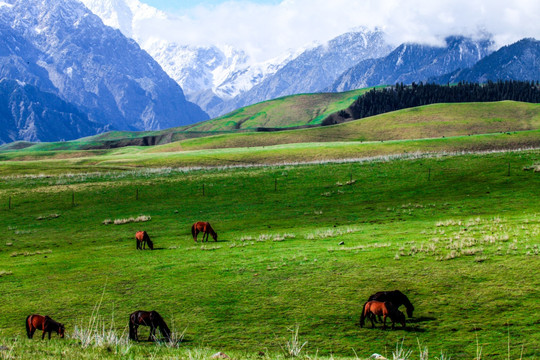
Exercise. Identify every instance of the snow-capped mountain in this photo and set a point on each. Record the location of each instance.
(315, 69)
(60, 47)
(218, 72)
(518, 61)
(414, 63)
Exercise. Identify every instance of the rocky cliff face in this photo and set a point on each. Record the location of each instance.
(60, 47)
(27, 113)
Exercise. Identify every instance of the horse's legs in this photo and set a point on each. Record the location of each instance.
(371, 316)
(195, 236)
(205, 236)
(32, 332)
(144, 244)
(152, 333)
(384, 322)
(43, 335)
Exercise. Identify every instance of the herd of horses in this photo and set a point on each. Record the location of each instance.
(383, 304)
(379, 307)
(143, 239)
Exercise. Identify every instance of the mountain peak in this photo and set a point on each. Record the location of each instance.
(60, 47)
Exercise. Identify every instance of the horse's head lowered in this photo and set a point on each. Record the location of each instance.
(410, 310)
(61, 330)
(55, 326)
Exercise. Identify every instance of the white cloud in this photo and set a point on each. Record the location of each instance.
(266, 31)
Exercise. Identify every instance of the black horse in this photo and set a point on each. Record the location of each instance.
(148, 318)
(396, 297)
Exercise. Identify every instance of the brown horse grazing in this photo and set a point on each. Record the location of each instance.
(396, 297)
(45, 323)
(205, 228)
(142, 239)
(148, 318)
(386, 309)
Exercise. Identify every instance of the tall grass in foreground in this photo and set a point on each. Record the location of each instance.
(105, 343)
(294, 346)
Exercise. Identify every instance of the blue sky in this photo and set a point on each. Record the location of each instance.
(269, 28)
(179, 6)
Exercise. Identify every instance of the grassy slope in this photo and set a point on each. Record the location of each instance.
(461, 242)
(289, 111)
(447, 127)
(54, 162)
(423, 122)
(295, 110)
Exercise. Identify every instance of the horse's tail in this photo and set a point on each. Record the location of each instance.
(363, 315)
(28, 326)
(131, 325)
(193, 231)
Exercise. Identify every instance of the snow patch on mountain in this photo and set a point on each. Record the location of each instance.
(221, 68)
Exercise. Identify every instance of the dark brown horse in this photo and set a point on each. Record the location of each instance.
(385, 309)
(396, 297)
(45, 323)
(148, 318)
(205, 228)
(142, 239)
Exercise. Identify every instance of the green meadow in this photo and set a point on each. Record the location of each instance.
(442, 204)
(459, 235)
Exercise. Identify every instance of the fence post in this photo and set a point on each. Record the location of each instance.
(508, 169)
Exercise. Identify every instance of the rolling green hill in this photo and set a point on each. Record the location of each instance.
(430, 129)
(432, 121)
(286, 112)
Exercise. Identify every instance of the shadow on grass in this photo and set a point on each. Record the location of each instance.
(420, 319)
(413, 329)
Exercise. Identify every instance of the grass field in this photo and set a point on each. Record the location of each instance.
(460, 235)
(440, 202)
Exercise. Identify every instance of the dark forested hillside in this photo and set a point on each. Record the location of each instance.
(378, 101)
